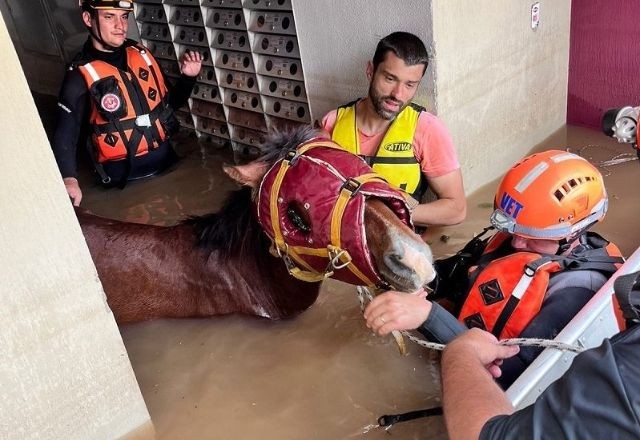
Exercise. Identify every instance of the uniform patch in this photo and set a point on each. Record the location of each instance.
(397, 147)
(111, 140)
(491, 292)
(143, 74)
(475, 321)
(110, 102)
(152, 94)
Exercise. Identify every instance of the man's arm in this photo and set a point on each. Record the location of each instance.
(438, 160)
(451, 206)
(470, 395)
(327, 123)
(72, 104)
(394, 310)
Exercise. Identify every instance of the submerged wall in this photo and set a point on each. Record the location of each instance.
(64, 371)
(605, 59)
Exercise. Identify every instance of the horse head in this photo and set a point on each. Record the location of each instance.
(329, 215)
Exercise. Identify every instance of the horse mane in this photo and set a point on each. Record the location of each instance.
(234, 230)
(280, 142)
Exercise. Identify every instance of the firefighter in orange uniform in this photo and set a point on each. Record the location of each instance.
(116, 96)
(533, 275)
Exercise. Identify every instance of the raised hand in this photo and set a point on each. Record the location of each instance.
(191, 63)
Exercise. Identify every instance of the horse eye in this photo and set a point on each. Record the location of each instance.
(299, 217)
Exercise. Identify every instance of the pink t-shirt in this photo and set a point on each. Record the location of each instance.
(432, 144)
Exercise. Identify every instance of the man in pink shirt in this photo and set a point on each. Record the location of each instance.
(408, 146)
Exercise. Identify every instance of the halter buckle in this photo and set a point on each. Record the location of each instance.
(288, 262)
(292, 157)
(351, 185)
(284, 256)
(334, 254)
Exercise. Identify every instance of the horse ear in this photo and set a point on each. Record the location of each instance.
(250, 174)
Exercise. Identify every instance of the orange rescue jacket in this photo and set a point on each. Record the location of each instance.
(128, 109)
(508, 292)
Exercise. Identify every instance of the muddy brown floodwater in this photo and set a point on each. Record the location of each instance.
(321, 375)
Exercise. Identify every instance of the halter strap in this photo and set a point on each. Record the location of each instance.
(349, 189)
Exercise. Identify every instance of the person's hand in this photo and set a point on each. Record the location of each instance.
(73, 189)
(191, 63)
(484, 347)
(393, 310)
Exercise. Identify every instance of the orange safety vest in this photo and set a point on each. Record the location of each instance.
(508, 292)
(129, 109)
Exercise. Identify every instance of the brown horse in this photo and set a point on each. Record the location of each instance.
(220, 263)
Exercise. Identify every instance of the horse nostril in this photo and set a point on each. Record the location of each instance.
(394, 257)
(410, 261)
(394, 260)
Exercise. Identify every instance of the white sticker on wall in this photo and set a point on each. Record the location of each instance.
(535, 15)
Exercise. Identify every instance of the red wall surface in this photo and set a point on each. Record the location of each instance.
(604, 59)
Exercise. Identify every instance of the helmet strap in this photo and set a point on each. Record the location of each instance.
(565, 244)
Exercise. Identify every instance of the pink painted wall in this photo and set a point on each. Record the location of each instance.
(604, 61)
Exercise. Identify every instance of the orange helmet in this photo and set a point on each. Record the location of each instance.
(552, 195)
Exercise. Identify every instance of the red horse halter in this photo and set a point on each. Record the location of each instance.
(311, 205)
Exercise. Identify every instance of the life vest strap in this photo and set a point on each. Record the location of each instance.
(147, 120)
(372, 160)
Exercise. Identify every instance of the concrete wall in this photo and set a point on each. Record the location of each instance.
(501, 86)
(64, 371)
(44, 68)
(337, 39)
(605, 59)
(47, 34)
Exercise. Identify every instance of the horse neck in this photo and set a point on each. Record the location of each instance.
(151, 272)
(254, 284)
(247, 278)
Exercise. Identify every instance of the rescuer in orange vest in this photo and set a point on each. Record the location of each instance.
(116, 95)
(533, 275)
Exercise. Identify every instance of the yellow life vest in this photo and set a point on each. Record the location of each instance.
(395, 159)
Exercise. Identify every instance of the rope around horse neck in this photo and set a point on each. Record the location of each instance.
(365, 293)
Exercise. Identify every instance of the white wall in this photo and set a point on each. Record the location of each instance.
(499, 86)
(64, 371)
